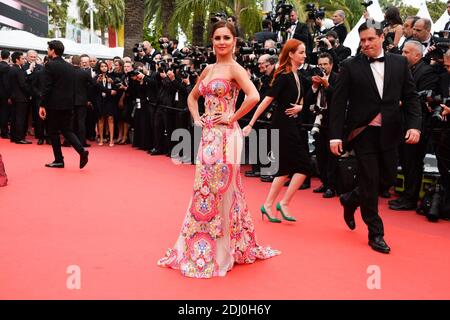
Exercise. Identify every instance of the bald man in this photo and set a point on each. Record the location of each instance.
(412, 155)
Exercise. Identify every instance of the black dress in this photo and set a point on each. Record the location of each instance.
(292, 157)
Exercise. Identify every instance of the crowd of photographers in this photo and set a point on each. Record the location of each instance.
(143, 99)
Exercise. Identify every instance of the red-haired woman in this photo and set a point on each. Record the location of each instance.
(292, 159)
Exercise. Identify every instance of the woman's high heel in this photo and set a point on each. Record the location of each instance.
(264, 213)
(285, 217)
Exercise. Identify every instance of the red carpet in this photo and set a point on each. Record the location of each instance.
(116, 218)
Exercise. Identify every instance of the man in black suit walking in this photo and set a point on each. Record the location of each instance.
(57, 104)
(370, 86)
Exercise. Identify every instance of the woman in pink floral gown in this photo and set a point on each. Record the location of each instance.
(218, 229)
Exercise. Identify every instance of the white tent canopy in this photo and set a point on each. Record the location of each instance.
(439, 25)
(22, 40)
(352, 40)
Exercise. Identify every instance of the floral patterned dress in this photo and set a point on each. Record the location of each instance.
(218, 229)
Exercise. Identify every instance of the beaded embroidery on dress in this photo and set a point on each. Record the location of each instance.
(218, 229)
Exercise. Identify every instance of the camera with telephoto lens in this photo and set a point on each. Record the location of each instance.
(138, 47)
(434, 102)
(314, 13)
(164, 43)
(219, 16)
(366, 3)
(280, 16)
(321, 44)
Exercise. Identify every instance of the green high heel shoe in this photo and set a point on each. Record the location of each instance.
(264, 213)
(285, 217)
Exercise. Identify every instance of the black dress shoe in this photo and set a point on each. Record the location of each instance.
(48, 141)
(23, 142)
(329, 193)
(252, 173)
(403, 204)
(349, 209)
(84, 158)
(378, 244)
(305, 185)
(395, 201)
(5, 136)
(320, 189)
(55, 164)
(266, 178)
(40, 142)
(385, 194)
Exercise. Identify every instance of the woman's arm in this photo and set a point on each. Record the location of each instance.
(252, 95)
(398, 35)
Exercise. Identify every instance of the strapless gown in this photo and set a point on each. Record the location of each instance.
(218, 230)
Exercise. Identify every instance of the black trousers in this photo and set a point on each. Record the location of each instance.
(40, 126)
(376, 166)
(5, 112)
(327, 162)
(19, 123)
(441, 143)
(159, 125)
(60, 121)
(411, 160)
(79, 122)
(91, 122)
(147, 134)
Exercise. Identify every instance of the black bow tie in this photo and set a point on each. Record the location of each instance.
(380, 59)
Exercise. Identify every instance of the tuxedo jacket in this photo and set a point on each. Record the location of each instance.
(4, 80)
(19, 87)
(341, 31)
(356, 100)
(311, 97)
(58, 91)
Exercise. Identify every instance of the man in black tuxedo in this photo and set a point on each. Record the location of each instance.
(412, 155)
(299, 31)
(320, 97)
(339, 25)
(4, 94)
(366, 101)
(20, 96)
(83, 85)
(57, 102)
(32, 68)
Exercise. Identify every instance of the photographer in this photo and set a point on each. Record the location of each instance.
(266, 33)
(412, 155)
(422, 33)
(319, 98)
(164, 115)
(441, 140)
(145, 53)
(266, 66)
(339, 25)
(330, 44)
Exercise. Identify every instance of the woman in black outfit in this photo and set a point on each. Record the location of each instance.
(105, 93)
(292, 159)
